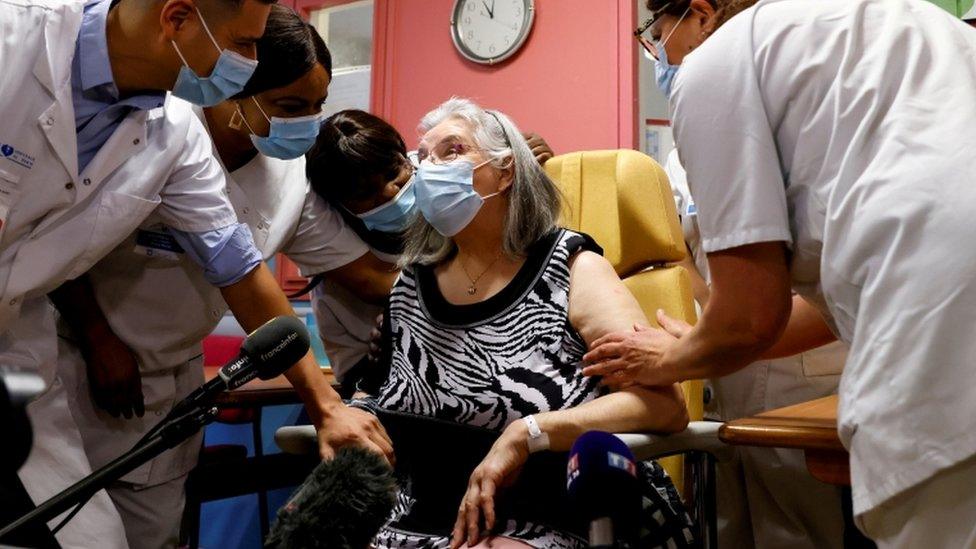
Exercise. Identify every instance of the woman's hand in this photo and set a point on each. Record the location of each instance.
(499, 469)
(635, 358)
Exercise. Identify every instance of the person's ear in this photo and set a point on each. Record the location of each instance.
(389, 191)
(506, 175)
(174, 16)
(703, 12)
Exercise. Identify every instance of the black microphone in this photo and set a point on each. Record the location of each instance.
(266, 353)
(602, 481)
(341, 505)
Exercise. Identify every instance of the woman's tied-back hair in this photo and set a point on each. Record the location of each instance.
(355, 155)
(724, 9)
(534, 201)
(728, 9)
(289, 48)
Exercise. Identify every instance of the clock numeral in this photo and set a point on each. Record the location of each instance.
(467, 20)
(491, 48)
(469, 34)
(471, 6)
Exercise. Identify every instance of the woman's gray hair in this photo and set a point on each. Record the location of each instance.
(533, 200)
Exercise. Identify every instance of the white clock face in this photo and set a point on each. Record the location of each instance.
(488, 31)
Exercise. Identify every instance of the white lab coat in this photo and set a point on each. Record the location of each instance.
(58, 223)
(55, 223)
(848, 130)
(159, 303)
(766, 497)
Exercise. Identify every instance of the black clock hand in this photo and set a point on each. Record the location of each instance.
(491, 10)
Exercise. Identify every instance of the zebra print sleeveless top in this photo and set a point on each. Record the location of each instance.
(490, 363)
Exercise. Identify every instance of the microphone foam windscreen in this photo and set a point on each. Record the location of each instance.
(342, 505)
(277, 345)
(601, 476)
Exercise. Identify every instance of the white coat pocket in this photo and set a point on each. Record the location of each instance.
(118, 215)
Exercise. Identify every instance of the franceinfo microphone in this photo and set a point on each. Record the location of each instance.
(266, 353)
(602, 481)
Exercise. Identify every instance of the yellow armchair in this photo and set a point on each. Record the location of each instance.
(623, 200)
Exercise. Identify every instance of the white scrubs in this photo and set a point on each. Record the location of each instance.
(766, 496)
(345, 322)
(158, 302)
(847, 129)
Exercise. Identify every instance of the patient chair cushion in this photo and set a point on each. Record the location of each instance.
(623, 200)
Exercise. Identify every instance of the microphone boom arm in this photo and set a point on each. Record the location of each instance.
(169, 435)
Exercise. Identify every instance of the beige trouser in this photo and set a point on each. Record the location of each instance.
(940, 512)
(151, 514)
(766, 497)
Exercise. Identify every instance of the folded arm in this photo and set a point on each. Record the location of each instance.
(111, 366)
(806, 330)
(368, 278)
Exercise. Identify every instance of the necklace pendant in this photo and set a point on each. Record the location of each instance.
(472, 290)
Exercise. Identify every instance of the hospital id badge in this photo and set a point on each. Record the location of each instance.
(158, 244)
(9, 190)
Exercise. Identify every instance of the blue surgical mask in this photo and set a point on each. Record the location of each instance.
(289, 138)
(228, 77)
(446, 196)
(395, 215)
(664, 71)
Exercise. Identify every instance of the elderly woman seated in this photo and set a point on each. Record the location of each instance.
(485, 333)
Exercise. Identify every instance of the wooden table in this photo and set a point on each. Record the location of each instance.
(809, 426)
(258, 392)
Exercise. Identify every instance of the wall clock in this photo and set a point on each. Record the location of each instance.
(489, 31)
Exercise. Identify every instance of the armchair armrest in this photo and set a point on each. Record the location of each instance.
(701, 436)
(297, 439)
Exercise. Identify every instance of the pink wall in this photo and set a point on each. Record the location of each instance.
(573, 82)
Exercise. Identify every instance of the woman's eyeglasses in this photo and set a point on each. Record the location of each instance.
(445, 152)
(649, 46)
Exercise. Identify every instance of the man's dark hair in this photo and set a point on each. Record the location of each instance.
(289, 48)
(355, 155)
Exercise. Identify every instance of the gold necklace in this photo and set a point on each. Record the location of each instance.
(472, 289)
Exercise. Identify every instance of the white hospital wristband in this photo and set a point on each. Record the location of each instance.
(538, 441)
